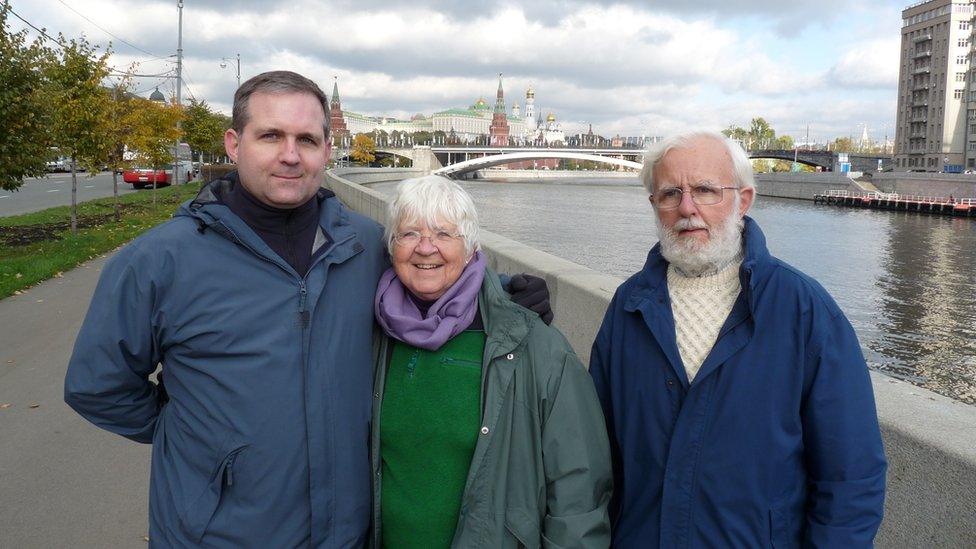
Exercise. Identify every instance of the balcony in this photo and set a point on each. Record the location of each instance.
(922, 70)
(926, 53)
(922, 38)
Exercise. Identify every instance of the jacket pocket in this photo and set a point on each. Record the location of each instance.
(200, 511)
(781, 529)
(522, 528)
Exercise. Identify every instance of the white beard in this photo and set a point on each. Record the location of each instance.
(694, 258)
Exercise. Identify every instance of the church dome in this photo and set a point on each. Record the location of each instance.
(157, 96)
(550, 117)
(529, 93)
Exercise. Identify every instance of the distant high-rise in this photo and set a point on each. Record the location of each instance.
(936, 121)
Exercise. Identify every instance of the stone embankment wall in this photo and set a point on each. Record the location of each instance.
(930, 440)
(926, 184)
(801, 185)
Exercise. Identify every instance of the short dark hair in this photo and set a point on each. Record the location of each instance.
(276, 82)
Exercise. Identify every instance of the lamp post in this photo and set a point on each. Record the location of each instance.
(223, 65)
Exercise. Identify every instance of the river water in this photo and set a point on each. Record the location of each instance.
(906, 281)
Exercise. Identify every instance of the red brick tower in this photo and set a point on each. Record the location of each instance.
(339, 129)
(499, 120)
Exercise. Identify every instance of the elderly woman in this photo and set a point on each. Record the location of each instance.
(487, 431)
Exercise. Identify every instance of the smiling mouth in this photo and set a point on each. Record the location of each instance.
(425, 267)
(288, 176)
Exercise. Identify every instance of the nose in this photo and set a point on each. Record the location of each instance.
(425, 247)
(288, 154)
(687, 206)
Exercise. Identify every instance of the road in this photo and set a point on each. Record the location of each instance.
(55, 190)
(63, 482)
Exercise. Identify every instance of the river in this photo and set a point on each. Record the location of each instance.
(906, 281)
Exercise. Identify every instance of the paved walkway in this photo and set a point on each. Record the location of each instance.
(63, 482)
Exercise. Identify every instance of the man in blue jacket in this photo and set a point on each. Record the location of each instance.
(739, 405)
(257, 298)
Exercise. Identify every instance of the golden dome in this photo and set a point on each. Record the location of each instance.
(550, 117)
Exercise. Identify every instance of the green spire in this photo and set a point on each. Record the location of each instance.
(335, 89)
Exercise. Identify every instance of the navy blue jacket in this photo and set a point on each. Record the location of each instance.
(775, 443)
(264, 439)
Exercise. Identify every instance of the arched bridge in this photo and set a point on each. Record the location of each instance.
(826, 160)
(507, 158)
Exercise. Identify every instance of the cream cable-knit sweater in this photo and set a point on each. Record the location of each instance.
(700, 306)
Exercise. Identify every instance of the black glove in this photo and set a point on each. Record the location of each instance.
(532, 293)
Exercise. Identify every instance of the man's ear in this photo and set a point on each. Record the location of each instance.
(746, 194)
(231, 143)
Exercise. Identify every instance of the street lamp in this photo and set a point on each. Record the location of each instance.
(223, 65)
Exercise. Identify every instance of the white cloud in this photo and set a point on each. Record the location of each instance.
(869, 64)
(626, 68)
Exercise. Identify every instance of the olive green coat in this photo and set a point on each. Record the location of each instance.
(540, 474)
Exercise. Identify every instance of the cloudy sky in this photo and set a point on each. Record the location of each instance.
(627, 67)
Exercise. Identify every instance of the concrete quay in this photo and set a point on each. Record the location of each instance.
(930, 439)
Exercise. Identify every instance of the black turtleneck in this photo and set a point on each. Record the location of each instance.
(290, 233)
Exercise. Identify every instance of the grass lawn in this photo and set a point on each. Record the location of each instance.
(37, 246)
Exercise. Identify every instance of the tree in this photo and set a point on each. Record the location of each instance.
(761, 134)
(154, 135)
(363, 149)
(120, 130)
(201, 128)
(843, 144)
(24, 106)
(783, 143)
(80, 110)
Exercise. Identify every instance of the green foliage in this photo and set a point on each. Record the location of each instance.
(843, 144)
(202, 128)
(363, 149)
(154, 132)
(24, 106)
(422, 138)
(759, 136)
(80, 107)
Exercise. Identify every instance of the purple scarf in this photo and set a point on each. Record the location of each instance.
(454, 311)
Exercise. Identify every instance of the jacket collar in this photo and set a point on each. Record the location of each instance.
(756, 266)
(649, 296)
(208, 210)
(506, 324)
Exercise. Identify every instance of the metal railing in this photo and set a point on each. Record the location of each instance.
(877, 195)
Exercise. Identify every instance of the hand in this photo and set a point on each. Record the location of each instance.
(532, 293)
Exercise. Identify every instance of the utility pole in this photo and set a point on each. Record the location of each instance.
(177, 169)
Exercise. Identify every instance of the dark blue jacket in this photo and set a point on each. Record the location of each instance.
(264, 439)
(776, 443)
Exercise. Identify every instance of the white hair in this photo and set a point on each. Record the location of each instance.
(741, 165)
(433, 199)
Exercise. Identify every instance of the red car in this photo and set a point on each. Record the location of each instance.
(143, 177)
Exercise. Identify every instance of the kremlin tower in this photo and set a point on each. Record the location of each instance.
(499, 119)
(338, 124)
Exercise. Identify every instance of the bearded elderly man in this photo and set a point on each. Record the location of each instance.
(738, 403)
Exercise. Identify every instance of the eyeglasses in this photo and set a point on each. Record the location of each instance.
(702, 194)
(438, 238)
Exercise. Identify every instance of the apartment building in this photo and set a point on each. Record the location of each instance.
(936, 122)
